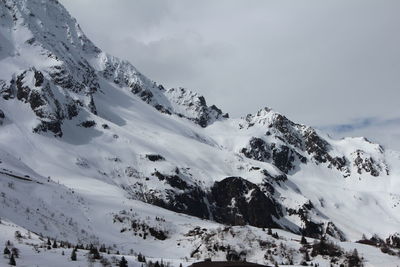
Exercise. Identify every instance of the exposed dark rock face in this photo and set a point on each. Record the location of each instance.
(283, 157)
(196, 106)
(32, 87)
(316, 146)
(365, 163)
(6, 90)
(393, 241)
(39, 79)
(237, 201)
(333, 231)
(287, 130)
(192, 202)
(233, 201)
(54, 127)
(258, 149)
(310, 228)
(178, 196)
(319, 149)
(173, 180)
(139, 227)
(88, 124)
(286, 159)
(155, 157)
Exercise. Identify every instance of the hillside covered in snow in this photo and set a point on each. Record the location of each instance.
(92, 152)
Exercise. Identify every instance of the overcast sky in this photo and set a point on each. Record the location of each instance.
(320, 63)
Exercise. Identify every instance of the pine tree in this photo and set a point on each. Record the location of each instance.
(123, 262)
(73, 255)
(269, 231)
(55, 244)
(12, 261)
(94, 251)
(354, 260)
(6, 251)
(103, 248)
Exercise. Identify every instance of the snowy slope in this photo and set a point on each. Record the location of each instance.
(92, 151)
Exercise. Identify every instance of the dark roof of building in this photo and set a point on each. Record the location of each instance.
(226, 264)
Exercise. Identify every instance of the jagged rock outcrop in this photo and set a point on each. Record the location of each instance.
(194, 107)
(335, 232)
(393, 241)
(282, 156)
(233, 201)
(365, 163)
(319, 149)
(287, 145)
(191, 201)
(237, 201)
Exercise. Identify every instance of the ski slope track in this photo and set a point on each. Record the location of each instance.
(94, 152)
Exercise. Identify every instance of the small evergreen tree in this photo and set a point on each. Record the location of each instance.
(141, 258)
(123, 262)
(269, 231)
(354, 260)
(103, 248)
(12, 260)
(93, 250)
(73, 255)
(55, 244)
(6, 251)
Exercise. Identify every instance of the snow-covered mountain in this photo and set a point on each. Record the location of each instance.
(92, 151)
